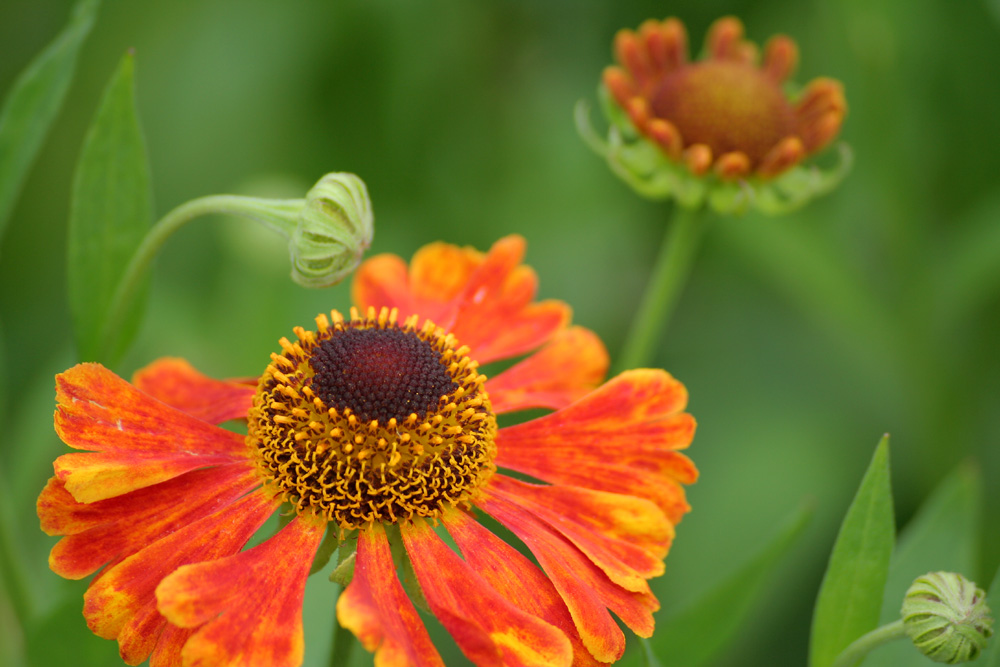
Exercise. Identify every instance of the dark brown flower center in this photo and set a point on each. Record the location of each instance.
(728, 106)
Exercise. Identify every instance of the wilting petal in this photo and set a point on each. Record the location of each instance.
(121, 604)
(375, 608)
(489, 629)
(110, 530)
(496, 317)
(625, 536)
(586, 590)
(250, 603)
(572, 364)
(516, 578)
(619, 438)
(177, 383)
(140, 440)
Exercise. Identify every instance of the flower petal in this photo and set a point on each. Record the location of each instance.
(110, 530)
(141, 440)
(586, 590)
(489, 629)
(121, 604)
(382, 281)
(249, 605)
(176, 382)
(167, 652)
(625, 536)
(516, 578)
(375, 608)
(619, 438)
(571, 365)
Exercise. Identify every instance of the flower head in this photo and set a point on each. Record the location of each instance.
(721, 128)
(371, 427)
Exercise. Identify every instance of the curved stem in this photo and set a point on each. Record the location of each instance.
(343, 646)
(277, 214)
(864, 644)
(673, 265)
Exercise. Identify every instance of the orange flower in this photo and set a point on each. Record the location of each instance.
(382, 419)
(723, 116)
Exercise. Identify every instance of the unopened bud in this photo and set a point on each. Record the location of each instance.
(946, 617)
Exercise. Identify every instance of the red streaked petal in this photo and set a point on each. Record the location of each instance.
(516, 578)
(625, 536)
(619, 438)
(110, 530)
(178, 384)
(121, 602)
(167, 652)
(249, 605)
(571, 365)
(375, 608)
(586, 590)
(439, 272)
(380, 281)
(489, 629)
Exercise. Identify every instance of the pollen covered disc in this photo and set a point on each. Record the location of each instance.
(367, 420)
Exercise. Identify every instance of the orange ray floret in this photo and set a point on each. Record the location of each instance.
(490, 630)
(376, 609)
(247, 607)
(177, 383)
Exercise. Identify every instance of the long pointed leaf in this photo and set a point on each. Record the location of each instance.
(942, 536)
(109, 216)
(991, 656)
(715, 619)
(33, 102)
(850, 597)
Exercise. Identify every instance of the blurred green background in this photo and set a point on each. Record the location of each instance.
(801, 339)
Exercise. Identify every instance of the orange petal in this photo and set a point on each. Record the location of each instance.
(142, 440)
(724, 41)
(818, 133)
(108, 531)
(732, 165)
(639, 112)
(375, 608)
(167, 652)
(121, 604)
(177, 383)
(496, 317)
(630, 53)
(698, 158)
(566, 369)
(675, 43)
(665, 43)
(490, 630)
(820, 96)
(383, 281)
(619, 84)
(586, 590)
(440, 271)
(516, 578)
(619, 438)
(625, 536)
(785, 155)
(666, 136)
(781, 55)
(250, 603)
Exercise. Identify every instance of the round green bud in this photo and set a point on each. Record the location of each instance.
(946, 617)
(332, 232)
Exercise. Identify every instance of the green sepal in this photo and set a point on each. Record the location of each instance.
(344, 572)
(405, 567)
(330, 543)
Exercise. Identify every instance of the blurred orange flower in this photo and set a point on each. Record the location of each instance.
(375, 427)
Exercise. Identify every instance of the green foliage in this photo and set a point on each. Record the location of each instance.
(991, 656)
(719, 614)
(850, 597)
(110, 214)
(34, 101)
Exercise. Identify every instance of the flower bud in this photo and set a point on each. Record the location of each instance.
(333, 230)
(946, 617)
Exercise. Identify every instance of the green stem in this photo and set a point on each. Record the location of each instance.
(277, 214)
(673, 265)
(343, 646)
(863, 645)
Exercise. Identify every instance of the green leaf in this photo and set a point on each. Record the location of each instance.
(850, 597)
(942, 536)
(33, 102)
(991, 656)
(715, 618)
(110, 214)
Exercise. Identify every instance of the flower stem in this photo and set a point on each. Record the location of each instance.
(343, 646)
(673, 265)
(864, 644)
(275, 214)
